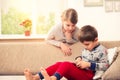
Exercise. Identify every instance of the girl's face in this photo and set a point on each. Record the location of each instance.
(68, 26)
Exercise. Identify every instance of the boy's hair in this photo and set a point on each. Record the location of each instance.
(71, 15)
(87, 33)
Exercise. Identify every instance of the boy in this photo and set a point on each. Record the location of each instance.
(92, 59)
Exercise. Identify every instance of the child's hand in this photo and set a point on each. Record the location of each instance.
(66, 49)
(77, 61)
(83, 64)
(68, 35)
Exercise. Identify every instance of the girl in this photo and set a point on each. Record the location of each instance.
(65, 32)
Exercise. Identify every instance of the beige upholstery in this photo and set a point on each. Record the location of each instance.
(15, 56)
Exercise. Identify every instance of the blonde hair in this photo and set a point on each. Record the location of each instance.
(71, 15)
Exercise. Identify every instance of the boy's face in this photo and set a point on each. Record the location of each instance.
(89, 45)
(68, 26)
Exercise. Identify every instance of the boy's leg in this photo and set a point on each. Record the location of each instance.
(51, 69)
(29, 76)
(46, 76)
(68, 70)
(71, 72)
(36, 77)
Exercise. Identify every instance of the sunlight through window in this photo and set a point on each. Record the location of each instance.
(43, 14)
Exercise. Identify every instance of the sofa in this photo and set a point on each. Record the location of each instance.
(16, 56)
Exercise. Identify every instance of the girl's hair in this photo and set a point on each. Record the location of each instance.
(87, 33)
(71, 15)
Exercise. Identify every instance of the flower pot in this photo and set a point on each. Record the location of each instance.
(27, 33)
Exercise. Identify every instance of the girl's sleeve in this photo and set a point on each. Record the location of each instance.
(54, 42)
(51, 37)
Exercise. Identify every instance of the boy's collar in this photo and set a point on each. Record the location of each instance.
(96, 46)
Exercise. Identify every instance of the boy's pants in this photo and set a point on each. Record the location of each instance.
(70, 71)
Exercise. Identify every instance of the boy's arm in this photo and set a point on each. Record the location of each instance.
(101, 64)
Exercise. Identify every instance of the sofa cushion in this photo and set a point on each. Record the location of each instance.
(112, 54)
(113, 72)
(16, 56)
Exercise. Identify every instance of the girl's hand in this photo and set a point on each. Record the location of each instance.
(68, 35)
(66, 49)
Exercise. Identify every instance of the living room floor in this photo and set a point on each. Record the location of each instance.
(12, 77)
(16, 77)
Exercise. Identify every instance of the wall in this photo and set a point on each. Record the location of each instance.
(107, 24)
(0, 16)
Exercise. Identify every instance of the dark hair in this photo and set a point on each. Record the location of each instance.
(70, 14)
(87, 33)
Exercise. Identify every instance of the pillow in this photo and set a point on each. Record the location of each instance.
(98, 75)
(113, 72)
(112, 54)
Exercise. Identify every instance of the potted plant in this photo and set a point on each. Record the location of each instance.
(27, 26)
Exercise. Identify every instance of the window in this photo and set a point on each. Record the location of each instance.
(43, 14)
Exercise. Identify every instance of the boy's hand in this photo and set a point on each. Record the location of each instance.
(83, 64)
(78, 60)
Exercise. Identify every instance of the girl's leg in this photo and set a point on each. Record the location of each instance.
(71, 72)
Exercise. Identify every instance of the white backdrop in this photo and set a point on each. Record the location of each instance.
(107, 23)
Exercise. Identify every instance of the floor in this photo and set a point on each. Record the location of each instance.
(12, 77)
(16, 78)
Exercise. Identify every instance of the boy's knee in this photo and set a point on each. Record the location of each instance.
(58, 63)
(67, 63)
